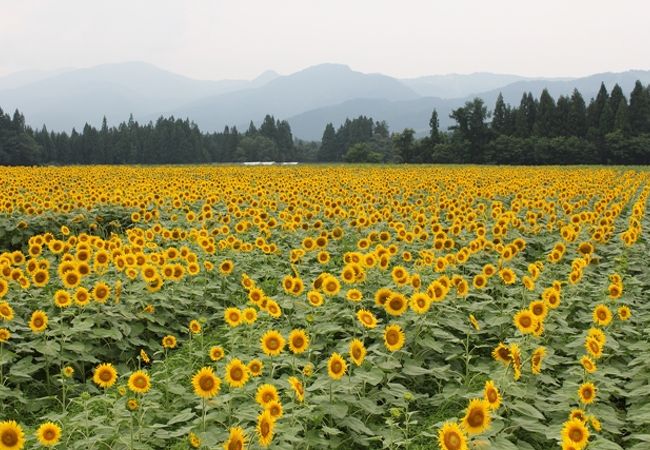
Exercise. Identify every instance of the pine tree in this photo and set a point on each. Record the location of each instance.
(500, 119)
(577, 115)
(545, 117)
(639, 110)
(622, 119)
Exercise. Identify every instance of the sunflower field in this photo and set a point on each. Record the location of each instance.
(316, 307)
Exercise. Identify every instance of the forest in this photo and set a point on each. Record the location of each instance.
(610, 129)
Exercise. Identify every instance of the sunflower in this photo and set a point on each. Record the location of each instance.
(194, 327)
(132, 404)
(539, 309)
(4, 286)
(236, 439)
(236, 373)
(233, 316)
(552, 297)
(525, 321)
(515, 354)
(275, 408)
(266, 393)
(536, 360)
(492, 395)
(12, 436)
(367, 318)
(598, 335)
(255, 367)
(624, 313)
(195, 441)
(81, 296)
(315, 298)
(144, 357)
(477, 416)
(354, 295)
(48, 434)
(249, 315)
(273, 309)
(357, 351)
(40, 278)
(507, 276)
(381, 296)
(615, 290)
(226, 267)
(71, 279)
(206, 384)
(38, 321)
(588, 364)
(5, 335)
(331, 286)
(587, 393)
(394, 337)
(574, 432)
(139, 382)
(420, 302)
(105, 375)
(336, 366)
(62, 299)
(169, 341)
(101, 292)
(577, 413)
(298, 388)
(298, 341)
(479, 281)
(265, 428)
(6, 311)
(452, 437)
(396, 304)
(272, 343)
(602, 315)
(594, 347)
(216, 353)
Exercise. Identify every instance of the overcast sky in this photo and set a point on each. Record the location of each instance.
(215, 39)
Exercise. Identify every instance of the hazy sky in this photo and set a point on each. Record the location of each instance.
(215, 39)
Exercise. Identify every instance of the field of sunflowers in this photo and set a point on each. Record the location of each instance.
(316, 307)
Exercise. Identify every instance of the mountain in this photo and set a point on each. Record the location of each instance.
(308, 99)
(72, 98)
(459, 85)
(285, 96)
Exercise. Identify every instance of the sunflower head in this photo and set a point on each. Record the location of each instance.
(357, 351)
(336, 366)
(139, 382)
(575, 432)
(272, 343)
(12, 436)
(205, 383)
(492, 395)
(236, 439)
(105, 375)
(236, 373)
(394, 337)
(452, 437)
(298, 341)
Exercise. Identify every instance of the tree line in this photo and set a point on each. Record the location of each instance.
(611, 129)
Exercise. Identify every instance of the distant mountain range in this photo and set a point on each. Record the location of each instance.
(308, 99)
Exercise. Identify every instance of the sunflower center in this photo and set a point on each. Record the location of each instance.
(206, 383)
(48, 434)
(525, 321)
(38, 322)
(476, 418)
(9, 438)
(272, 343)
(265, 428)
(576, 435)
(140, 382)
(492, 396)
(105, 375)
(586, 393)
(235, 445)
(356, 352)
(452, 440)
(396, 304)
(298, 341)
(602, 315)
(336, 366)
(267, 397)
(236, 373)
(392, 338)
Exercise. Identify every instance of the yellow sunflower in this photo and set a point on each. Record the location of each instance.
(624, 313)
(272, 343)
(216, 353)
(336, 366)
(477, 417)
(357, 351)
(452, 437)
(233, 316)
(574, 432)
(5, 335)
(298, 388)
(602, 315)
(266, 393)
(255, 367)
(101, 292)
(139, 382)
(536, 360)
(394, 337)
(492, 395)
(194, 327)
(396, 304)
(420, 302)
(48, 434)
(236, 439)
(265, 428)
(587, 393)
(12, 436)
(62, 299)
(169, 341)
(38, 321)
(105, 375)
(275, 408)
(366, 318)
(236, 373)
(298, 341)
(588, 364)
(331, 286)
(206, 384)
(6, 311)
